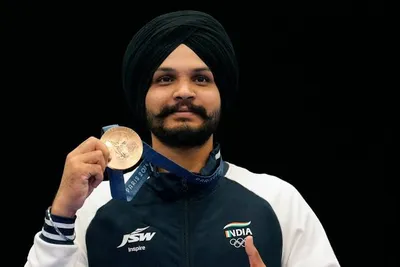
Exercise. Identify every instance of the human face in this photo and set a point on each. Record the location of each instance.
(183, 102)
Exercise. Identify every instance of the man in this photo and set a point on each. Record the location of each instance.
(193, 208)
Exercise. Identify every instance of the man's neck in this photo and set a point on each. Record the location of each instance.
(192, 159)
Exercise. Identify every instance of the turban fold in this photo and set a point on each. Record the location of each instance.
(159, 37)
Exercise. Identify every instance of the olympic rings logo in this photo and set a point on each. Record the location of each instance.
(237, 243)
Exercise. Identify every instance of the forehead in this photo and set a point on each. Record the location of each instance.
(183, 57)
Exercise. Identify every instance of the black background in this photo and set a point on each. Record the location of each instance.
(312, 105)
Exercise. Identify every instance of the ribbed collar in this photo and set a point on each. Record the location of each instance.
(170, 186)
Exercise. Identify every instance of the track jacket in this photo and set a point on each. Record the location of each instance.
(171, 223)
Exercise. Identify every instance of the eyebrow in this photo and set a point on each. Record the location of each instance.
(168, 69)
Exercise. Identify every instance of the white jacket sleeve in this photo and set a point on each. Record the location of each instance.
(46, 254)
(50, 249)
(305, 241)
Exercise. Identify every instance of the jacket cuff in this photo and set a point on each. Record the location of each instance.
(57, 229)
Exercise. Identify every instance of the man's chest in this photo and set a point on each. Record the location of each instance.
(183, 234)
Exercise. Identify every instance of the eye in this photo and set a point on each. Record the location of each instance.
(202, 79)
(166, 79)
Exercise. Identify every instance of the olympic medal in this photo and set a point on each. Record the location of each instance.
(125, 147)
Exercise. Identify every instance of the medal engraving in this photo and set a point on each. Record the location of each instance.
(125, 146)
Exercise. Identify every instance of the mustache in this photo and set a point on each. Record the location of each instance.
(188, 104)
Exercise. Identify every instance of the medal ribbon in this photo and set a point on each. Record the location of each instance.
(126, 191)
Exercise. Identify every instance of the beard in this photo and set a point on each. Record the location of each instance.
(183, 136)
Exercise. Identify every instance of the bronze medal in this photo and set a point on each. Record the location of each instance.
(125, 146)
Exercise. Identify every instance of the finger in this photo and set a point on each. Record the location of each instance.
(94, 173)
(252, 252)
(92, 144)
(93, 157)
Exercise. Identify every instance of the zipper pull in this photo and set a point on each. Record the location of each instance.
(185, 185)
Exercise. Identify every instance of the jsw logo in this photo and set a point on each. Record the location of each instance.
(137, 236)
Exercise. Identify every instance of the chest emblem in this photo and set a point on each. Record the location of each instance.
(236, 232)
(139, 235)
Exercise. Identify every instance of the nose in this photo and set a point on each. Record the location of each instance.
(184, 91)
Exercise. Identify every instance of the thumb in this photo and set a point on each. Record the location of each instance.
(252, 252)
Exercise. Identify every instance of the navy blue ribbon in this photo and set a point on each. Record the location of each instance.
(126, 191)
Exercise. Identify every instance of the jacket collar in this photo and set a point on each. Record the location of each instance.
(171, 186)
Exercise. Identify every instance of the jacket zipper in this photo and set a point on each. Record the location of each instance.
(186, 219)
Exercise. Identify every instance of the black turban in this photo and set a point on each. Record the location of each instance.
(158, 38)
